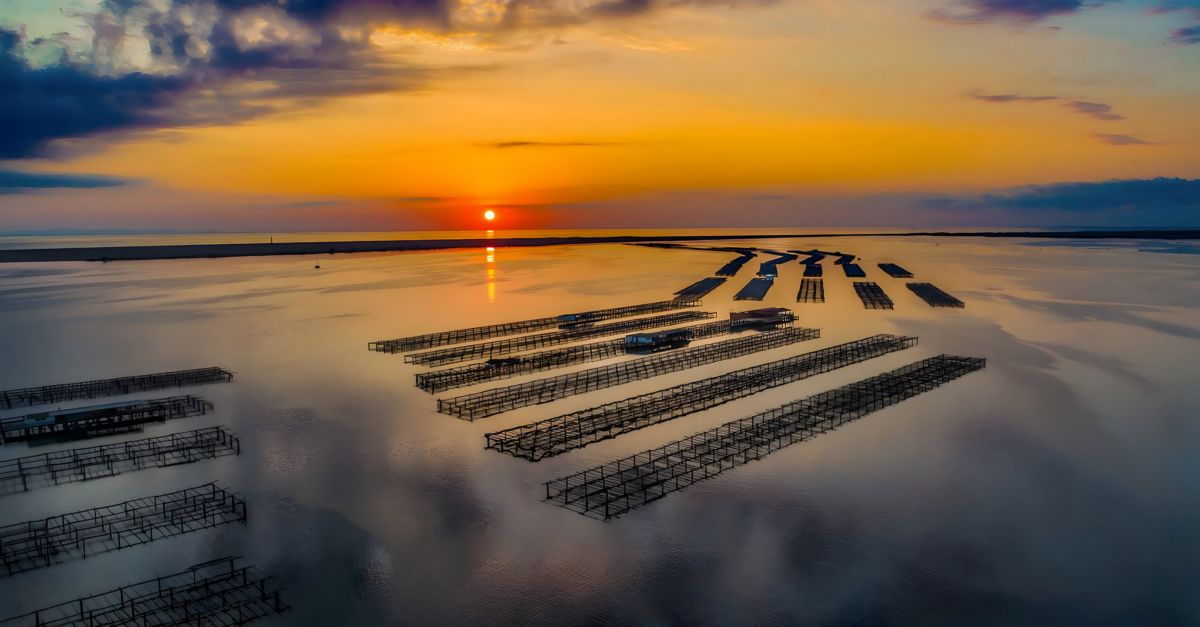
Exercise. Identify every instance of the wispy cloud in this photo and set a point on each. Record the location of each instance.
(1002, 98)
(1098, 110)
(1020, 11)
(18, 182)
(1122, 140)
(550, 144)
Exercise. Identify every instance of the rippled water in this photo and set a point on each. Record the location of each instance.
(1057, 486)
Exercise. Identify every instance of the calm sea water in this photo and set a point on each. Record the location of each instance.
(1057, 486)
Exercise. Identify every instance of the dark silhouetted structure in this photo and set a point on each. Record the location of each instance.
(895, 271)
(872, 296)
(219, 592)
(617, 487)
(95, 420)
(107, 460)
(39, 543)
(554, 436)
(934, 296)
(500, 348)
(50, 394)
(431, 340)
(811, 291)
(499, 400)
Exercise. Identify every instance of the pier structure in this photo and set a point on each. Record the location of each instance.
(472, 374)
(813, 258)
(872, 296)
(615, 488)
(84, 422)
(756, 289)
(554, 436)
(458, 336)
(813, 270)
(40, 543)
(811, 291)
(853, 270)
(500, 348)
(731, 268)
(895, 271)
(934, 296)
(107, 460)
(700, 288)
(502, 399)
(217, 593)
(844, 258)
(51, 394)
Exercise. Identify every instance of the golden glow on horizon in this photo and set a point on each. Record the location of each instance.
(795, 98)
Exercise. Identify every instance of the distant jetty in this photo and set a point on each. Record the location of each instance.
(211, 251)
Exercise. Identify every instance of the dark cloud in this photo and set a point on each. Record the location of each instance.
(1113, 139)
(16, 181)
(224, 61)
(1027, 11)
(1008, 97)
(1031, 11)
(1159, 200)
(1188, 35)
(537, 144)
(42, 104)
(1097, 110)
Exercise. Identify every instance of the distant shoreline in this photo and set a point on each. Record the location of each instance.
(214, 251)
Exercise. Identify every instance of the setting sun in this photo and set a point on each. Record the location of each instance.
(489, 215)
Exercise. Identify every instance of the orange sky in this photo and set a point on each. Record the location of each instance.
(807, 100)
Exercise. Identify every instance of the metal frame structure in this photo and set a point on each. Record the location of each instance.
(50, 394)
(473, 374)
(853, 270)
(508, 398)
(554, 436)
(107, 460)
(701, 288)
(458, 336)
(218, 593)
(811, 291)
(40, 543)
(895, 271)
(934, 295)
(872, 296)
(103, 420)
(612, 489)
(731, 268)
(756, 289)
(498, 348)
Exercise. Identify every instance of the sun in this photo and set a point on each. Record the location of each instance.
(489, 215)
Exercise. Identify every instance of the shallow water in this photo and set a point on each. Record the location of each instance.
(1057, 486)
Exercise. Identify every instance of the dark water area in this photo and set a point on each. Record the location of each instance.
(1057, 486)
